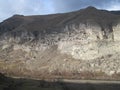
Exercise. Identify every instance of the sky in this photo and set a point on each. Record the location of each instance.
(41, 7)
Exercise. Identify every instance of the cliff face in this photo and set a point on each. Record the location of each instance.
(82, 44)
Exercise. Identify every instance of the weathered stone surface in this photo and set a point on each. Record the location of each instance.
(65, 46)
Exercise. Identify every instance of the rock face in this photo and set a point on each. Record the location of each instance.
(81, 44)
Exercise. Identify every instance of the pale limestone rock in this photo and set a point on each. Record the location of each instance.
(89, 43)
(6, 46)
(85, 52)
(116, 32)
(82, 48)
(111, 72)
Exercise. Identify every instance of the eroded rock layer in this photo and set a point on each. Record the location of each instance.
(83, 44)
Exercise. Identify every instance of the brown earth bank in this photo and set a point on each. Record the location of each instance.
(7, 83)
(17, 69)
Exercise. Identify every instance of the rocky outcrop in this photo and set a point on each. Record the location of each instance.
(76, 43)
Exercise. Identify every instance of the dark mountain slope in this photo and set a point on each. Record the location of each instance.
(58, 21)
(115, 12)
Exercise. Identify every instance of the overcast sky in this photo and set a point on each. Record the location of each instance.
(39, 7)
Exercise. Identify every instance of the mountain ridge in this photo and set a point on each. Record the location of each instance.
(58, 19)
(82, 44)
